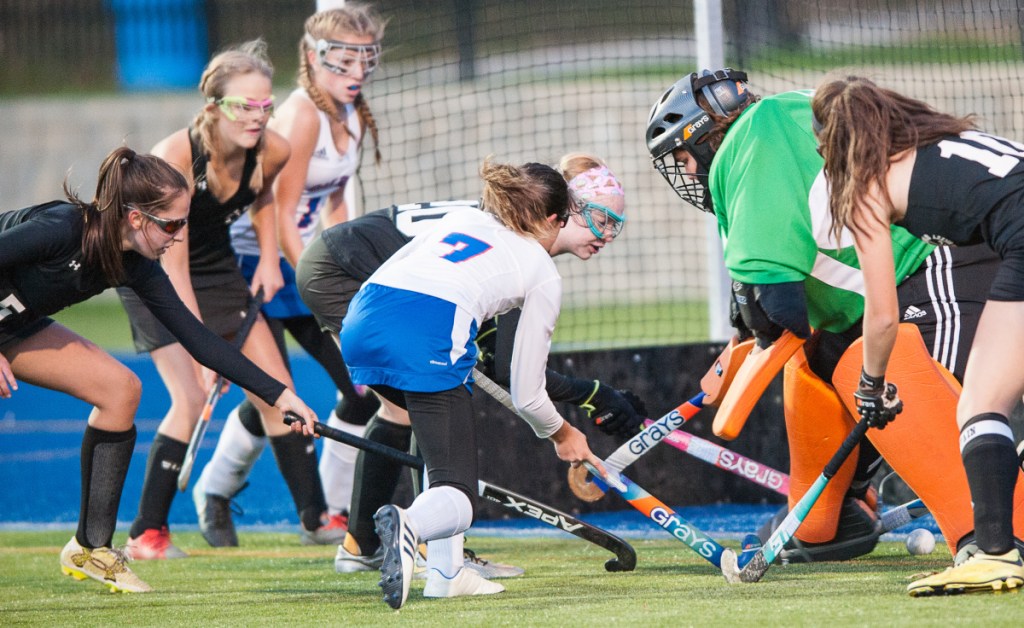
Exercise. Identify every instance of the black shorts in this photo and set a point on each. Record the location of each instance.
(325, 287)
(944, 298)
(10, 338)
(223, 300)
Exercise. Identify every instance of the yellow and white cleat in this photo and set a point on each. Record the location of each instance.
(981, 573)
(105, 564)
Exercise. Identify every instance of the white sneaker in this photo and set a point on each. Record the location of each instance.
(349, 560)
(488, 568)
(399, 542)
(466, 582)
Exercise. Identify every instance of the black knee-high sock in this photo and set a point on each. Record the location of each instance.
(296, 458)
(376, 479)
(105, 459)
(160, 485)
(986, 446)
(356, 410)
(249, 417)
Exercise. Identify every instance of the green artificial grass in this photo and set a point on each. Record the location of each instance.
(103, 321)
(271, 580)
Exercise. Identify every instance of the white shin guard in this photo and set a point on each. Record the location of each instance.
(337, 466)
(440, 512)
(236, 453)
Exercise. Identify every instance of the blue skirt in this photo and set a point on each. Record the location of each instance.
(407, 340)
(286, 303)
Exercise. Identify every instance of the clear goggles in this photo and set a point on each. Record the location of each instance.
(235, 107)
(602, 221)
(342, 59)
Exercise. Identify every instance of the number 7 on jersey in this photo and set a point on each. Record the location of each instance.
(464, 247)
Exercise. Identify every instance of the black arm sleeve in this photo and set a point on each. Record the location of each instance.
(559, 387)
(38, 238)
(209, 349)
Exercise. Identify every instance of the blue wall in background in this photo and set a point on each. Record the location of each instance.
(41, 434)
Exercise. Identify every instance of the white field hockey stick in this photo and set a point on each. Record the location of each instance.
(759, 563)
(216, 391)
(729, 460)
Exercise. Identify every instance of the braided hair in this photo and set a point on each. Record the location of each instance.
(352, 19)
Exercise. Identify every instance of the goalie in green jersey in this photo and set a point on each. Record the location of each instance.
(752, 162)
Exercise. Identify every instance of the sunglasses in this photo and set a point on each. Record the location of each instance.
(235, 107)
(170, 226)
(601, 221)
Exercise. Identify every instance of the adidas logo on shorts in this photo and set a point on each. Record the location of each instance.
(913, 312)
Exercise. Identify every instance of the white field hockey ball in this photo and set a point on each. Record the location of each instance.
(920, 542)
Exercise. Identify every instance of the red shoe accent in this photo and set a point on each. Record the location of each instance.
(153, 544)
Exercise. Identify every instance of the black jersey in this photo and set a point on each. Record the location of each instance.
(43, 270)
(361, 245)
(967, 189)
(209, 220)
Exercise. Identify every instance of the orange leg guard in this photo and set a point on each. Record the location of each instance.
(816, 423)
(922, 444)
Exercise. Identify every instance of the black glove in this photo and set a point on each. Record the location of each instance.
(485, 347)
(877, 401)
(615, 412)
(736, 319)
(770, 309)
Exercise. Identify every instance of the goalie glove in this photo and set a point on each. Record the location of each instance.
(877, 402)
(769, 309)
(615, 412)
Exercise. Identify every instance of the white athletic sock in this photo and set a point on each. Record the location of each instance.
(337, 466)
(237, 451)
(440, 512)
(445, 555)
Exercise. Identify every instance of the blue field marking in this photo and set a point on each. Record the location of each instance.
(41, 434)
(40, 444)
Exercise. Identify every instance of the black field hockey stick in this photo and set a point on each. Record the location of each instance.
(216, 391)
(759, 563)
(625, 556)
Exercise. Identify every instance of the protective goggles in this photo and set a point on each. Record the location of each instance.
(235, 107)
(342, 59)
(601, 221)
(170, 226)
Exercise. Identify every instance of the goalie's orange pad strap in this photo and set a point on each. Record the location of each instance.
(719, 377)
(922, 443)
(757, 371)
(816, 423)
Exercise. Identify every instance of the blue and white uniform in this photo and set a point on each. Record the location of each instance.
(413, 324)
(328, 172)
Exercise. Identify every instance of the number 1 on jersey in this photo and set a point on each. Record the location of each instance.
(464, 247)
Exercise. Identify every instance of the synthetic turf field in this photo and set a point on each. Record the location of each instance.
(272, 580)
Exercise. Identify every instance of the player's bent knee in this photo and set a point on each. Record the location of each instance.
(465, 490)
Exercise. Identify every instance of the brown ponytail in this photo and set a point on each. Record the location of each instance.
(127, 180)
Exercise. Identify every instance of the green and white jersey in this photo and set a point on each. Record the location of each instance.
(771, 200)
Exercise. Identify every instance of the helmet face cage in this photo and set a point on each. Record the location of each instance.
(340, 57)
(692, 188)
